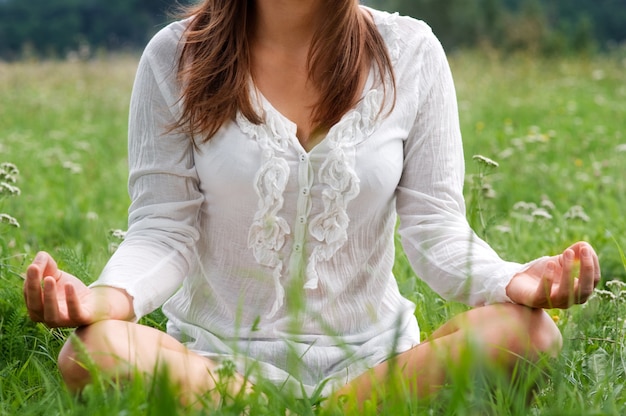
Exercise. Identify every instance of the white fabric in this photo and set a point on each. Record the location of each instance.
(271, 252)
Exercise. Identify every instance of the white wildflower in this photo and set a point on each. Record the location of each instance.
(537, 138)
(504, 229)
(506, 153)
(7, 219)
(488, 191)
(620, 147)
(616, 284)
(547, 204)
(485, 161)
(8, 172)
(518, 143)
(524, 206)
(74, 168)
(583, 177)
(6, 188)
(9, 167)
(541, 213)
(92, 216)
(120, 234)
(604, 294)
(576, 212)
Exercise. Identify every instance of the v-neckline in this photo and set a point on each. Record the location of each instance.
(267, 106)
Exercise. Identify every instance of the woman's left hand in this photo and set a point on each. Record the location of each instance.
(552, 283)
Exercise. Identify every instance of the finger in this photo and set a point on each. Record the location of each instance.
(578, 248)
(596, 264)
(33, 295)
(75, 310)
(50, 302)
(564, 294)
(545, 286)
(586, 279)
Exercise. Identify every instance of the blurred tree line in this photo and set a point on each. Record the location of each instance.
(543, 26)
(54, 28)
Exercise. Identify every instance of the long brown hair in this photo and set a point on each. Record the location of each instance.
(214, 65)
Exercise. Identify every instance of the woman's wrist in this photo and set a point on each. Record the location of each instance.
(112, 303)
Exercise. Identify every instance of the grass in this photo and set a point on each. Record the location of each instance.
(554, 126)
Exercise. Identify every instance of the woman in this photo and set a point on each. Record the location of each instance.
(272, 144)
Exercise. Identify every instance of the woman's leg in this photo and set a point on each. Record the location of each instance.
(122, 349)
(503, 334)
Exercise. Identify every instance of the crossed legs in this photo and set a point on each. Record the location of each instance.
(503, 334)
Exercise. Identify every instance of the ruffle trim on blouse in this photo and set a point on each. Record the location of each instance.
(341, 183)
(266, 235)
(388, 26)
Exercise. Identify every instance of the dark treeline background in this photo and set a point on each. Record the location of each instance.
(545, 26)
(56, 28)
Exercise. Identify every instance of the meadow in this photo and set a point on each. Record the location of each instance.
(554, 126)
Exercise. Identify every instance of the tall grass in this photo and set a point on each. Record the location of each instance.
(554, 127)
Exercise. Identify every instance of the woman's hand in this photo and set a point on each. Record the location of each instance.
(552, 283)
(59, 299)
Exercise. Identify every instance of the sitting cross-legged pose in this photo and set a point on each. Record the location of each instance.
(274, 146)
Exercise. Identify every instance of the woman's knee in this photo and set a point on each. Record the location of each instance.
(93, 347)
(515, 328)
(532, 329)
(545, 336)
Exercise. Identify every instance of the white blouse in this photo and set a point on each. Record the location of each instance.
(281, 259)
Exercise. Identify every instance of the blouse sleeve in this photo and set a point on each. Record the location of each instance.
(158, 249)
(435, 234)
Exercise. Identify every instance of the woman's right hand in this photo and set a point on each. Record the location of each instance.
(59, 299)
